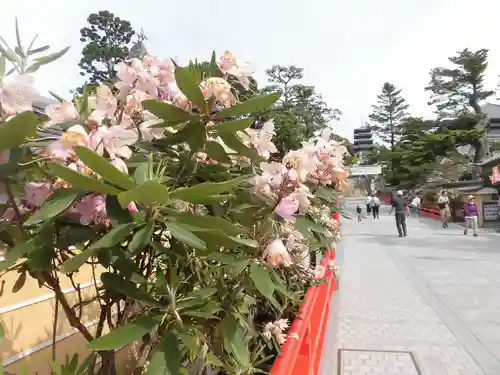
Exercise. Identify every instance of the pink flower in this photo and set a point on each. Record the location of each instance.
(61, 112)
(58, 151)
(132, 208)
(9, 214)
(319, 273)
(36, 193)
(92, 208)
(120, 165)
(17, 93)
(287, 207)
(276, 254)
(4, 157)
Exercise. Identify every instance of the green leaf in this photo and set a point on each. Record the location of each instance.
(52, 57)
(187, 81)
(116, 213)
(179, 232)
(232, 126)
(253, 105)
(114, 236)
(234, 340)
(141, 238)
(19, 48)
(2, 333)
(3, 63)
(215, 238)
(166, 359)
(38, 50)
(8, 53)
(262, 280)
(214, 361)
(147, 193)
(57, 204)
(217, 152)
(117, 283)
(167, 112)
(222, 257)
(18, 251)
(212, 222)
(195, 298)
(80, 181)
(74, 263)
(206, 311)
(126, 334)
(233, 142)
(21, 280)
(41, 258)
(104, 168)
(17, 130)
(194, 193)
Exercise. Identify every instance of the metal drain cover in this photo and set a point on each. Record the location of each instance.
(376, 362)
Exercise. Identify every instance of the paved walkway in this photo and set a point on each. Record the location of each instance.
(426, 304)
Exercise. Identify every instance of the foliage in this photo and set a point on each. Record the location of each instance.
(301, 112)
(386, 118)
(388, 113)
(164, 190)
(421, 145)
(458, 92)
(107, 43)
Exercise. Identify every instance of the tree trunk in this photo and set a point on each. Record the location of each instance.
(108, 363)
(393, 172)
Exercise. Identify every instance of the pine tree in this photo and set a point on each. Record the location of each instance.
(388, 113)
(107, 40)
(386, 118)
(458, 92)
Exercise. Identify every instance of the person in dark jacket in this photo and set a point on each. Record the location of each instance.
(359, 211)
(470, 215)
(399, 204)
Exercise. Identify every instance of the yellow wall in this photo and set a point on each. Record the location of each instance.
(27, 317)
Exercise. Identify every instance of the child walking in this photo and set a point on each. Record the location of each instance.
(359, 211)
(470, 214)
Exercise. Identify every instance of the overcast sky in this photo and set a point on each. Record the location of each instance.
(348, 49)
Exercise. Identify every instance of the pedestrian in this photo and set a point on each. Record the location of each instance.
(415, 206)
(470, 214)
(360, 212)
(375, 206)
(444, 208)
(400, 206)
(368, 204)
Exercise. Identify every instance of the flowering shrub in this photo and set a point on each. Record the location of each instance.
(164, 184)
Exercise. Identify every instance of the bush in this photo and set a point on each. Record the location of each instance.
(160, 186)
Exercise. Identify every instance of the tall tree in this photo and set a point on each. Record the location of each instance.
(458, 91)
(107, 42)
(386, 118)
(301, 111)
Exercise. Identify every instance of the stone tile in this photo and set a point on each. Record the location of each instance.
(433, 293)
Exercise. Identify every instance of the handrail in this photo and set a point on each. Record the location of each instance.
(303, 350)
(432, 211)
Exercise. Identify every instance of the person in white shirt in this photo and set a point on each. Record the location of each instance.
(415, 206)
(444, 208)
(375, 203)
(368, 204)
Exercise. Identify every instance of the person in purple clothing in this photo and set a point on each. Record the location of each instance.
(470, 215)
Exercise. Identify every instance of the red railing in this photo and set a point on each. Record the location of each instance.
(432, 211)
(303, 350)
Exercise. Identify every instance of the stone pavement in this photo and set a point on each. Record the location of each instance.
(426, 304)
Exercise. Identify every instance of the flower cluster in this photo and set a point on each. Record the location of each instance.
(177, 146)
(276, 329)
(289, 184)
(113, 123)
